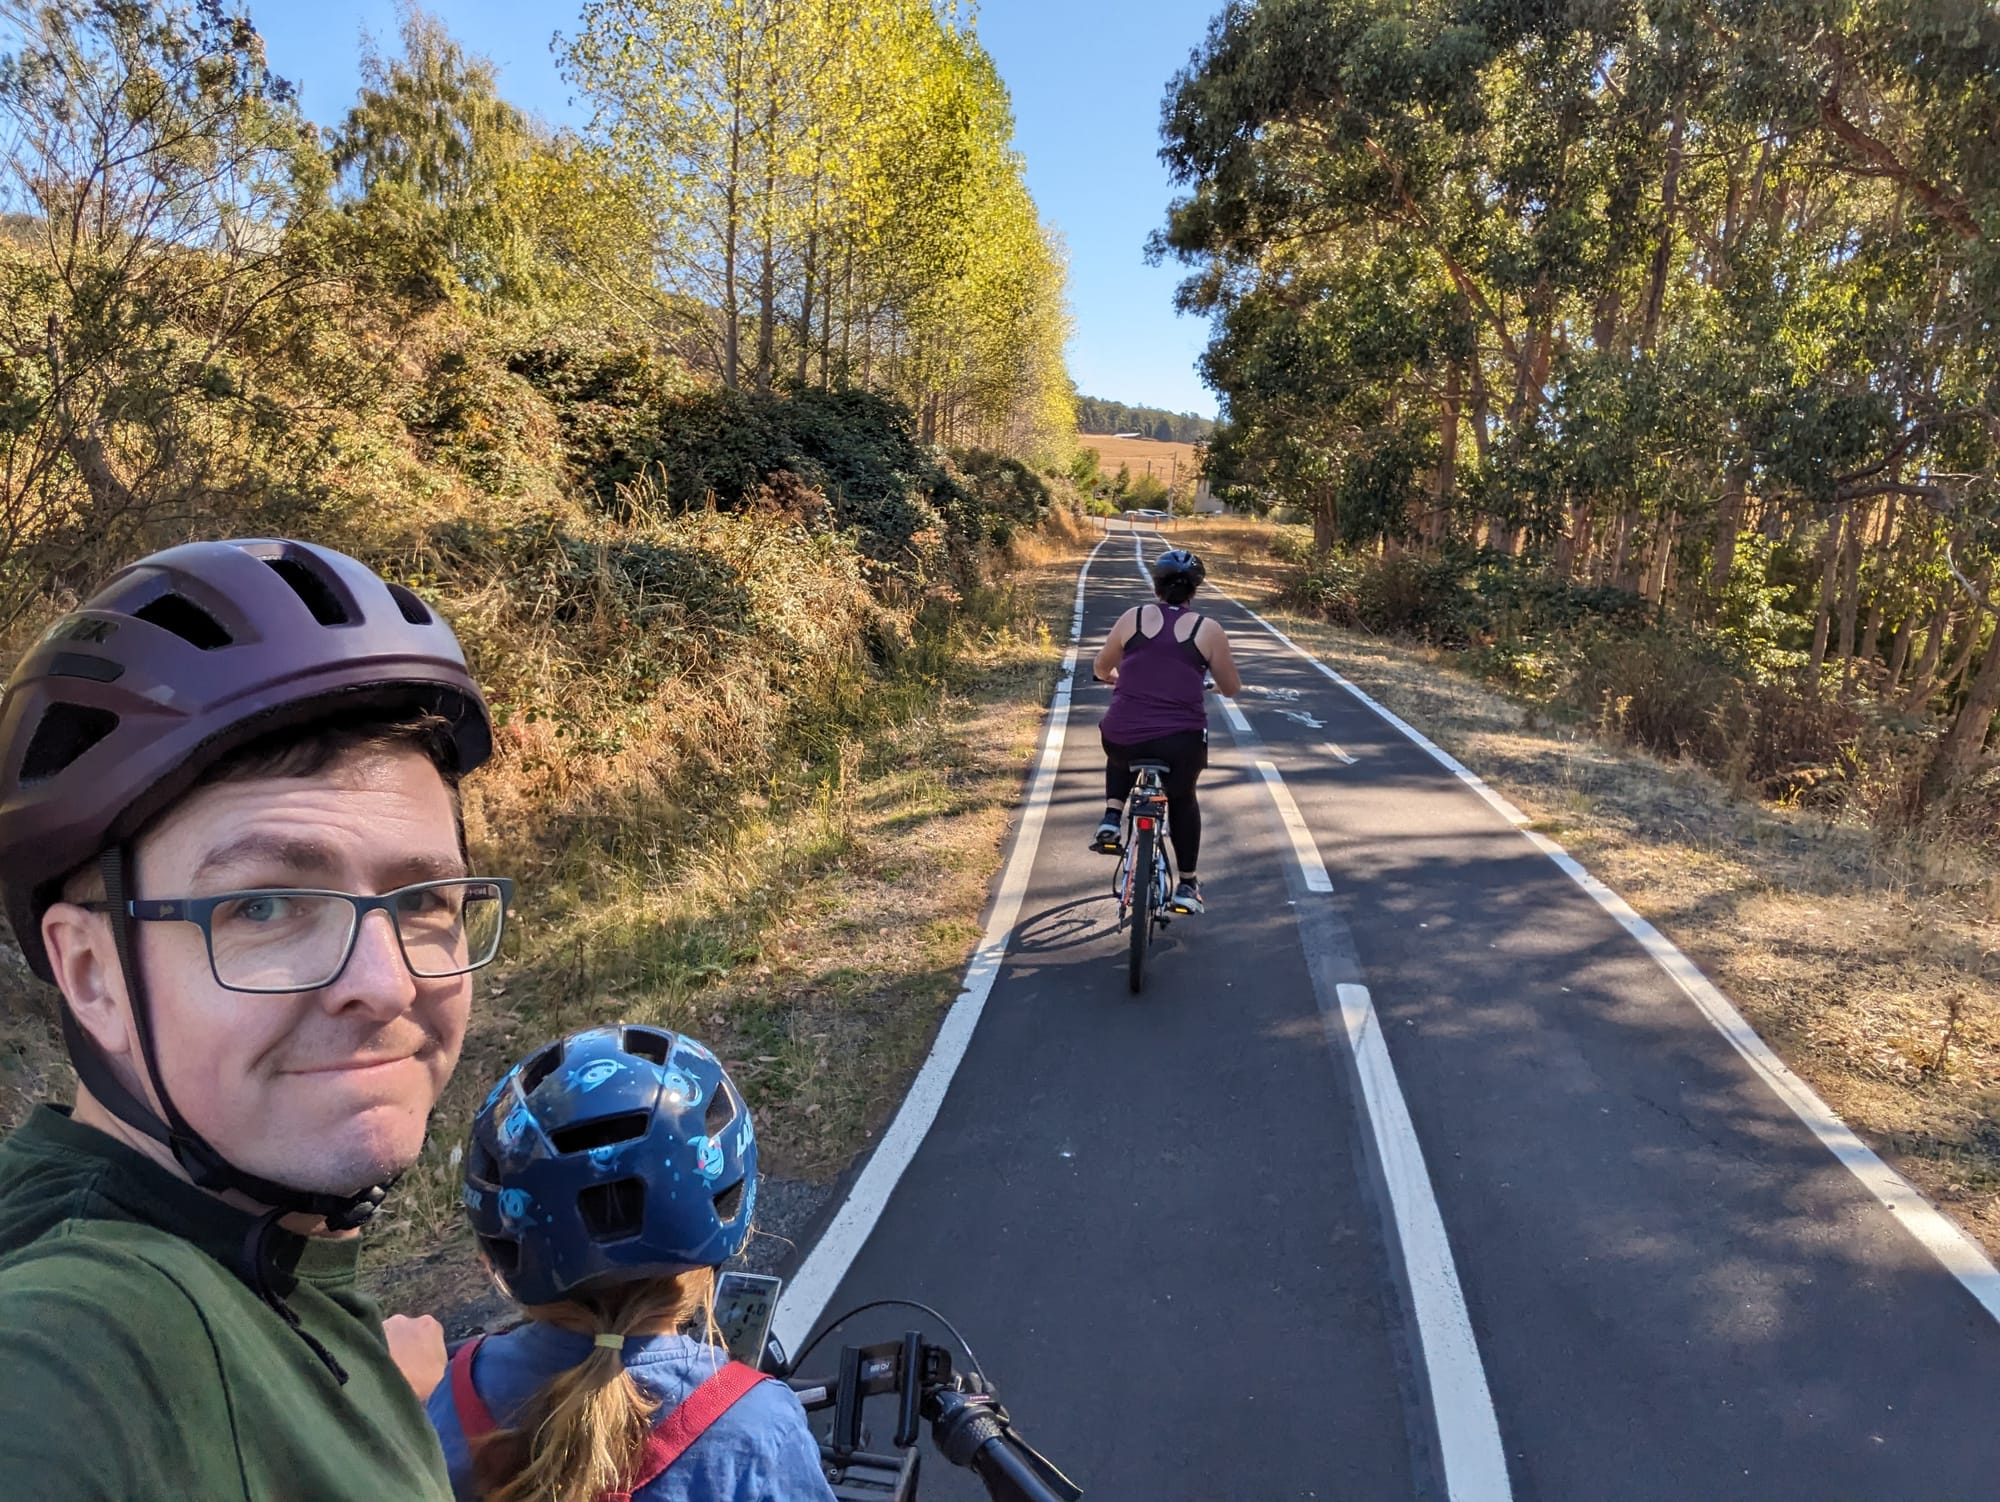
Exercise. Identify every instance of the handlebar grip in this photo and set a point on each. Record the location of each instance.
(1011, 1477)
(972, 1430)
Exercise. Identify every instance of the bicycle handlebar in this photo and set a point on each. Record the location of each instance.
(973, 1431)
(969, 1427)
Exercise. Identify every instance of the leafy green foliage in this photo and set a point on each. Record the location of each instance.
(1622, 289)
(434, 161)
(845, 458)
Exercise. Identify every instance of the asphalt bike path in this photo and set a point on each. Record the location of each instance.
(1410, 1174)
(1109, 1201)
(1677, 1290)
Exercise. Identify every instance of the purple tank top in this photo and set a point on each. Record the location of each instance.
(1159, 689)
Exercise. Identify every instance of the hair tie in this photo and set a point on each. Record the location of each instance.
(612, 1342)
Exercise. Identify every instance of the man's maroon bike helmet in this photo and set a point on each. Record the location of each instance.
(180, 660)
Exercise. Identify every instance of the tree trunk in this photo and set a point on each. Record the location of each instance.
(1924, 682)
(732, 311)
(806, 302)
(1899, 654)
(1656, 290)
(1829, 581)
(826, 328)
(1850, 598)
(1447, 469)
(1482, 413)
(1728, 529)
(847, 322)
(1958, 753)
(1871, 636)
(767, 316)
(1621, 545)
(1969, 644)
(1655, 586)
(1573, 552)
(1326, 522)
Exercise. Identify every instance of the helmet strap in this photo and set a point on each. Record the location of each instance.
(198, 1159)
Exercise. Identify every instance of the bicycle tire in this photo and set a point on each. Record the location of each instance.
(1141, 916)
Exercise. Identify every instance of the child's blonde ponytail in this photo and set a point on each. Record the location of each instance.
(582, 1434)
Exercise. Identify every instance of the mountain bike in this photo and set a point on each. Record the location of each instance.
(1145, 884)
(968, 1425)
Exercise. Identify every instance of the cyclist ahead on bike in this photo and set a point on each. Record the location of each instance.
(609, 1175)
(1156, 659)
(230, 835)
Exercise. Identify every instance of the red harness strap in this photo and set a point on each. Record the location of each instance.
(692, 1416)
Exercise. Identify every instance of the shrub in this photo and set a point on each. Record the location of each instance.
(625, 419)
(1005, 487)
(1663, 688)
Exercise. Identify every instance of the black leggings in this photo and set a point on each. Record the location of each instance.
(1186, 755)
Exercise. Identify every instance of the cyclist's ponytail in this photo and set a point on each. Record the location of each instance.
(581, 1435)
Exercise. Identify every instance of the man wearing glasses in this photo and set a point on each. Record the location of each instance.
(230, 834)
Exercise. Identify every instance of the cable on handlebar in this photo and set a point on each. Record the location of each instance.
(834, 1324)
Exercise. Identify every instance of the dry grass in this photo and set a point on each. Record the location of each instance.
(1869, 967)
(816, 950)
(1142, 456)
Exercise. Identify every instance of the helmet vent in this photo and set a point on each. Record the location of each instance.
(606, 1131)
(502, 1252)
(540, 1067)
(312, 590)
(187, 620)
(721, 1111)
(66, 732)
(415, 611)
(647, 1043)
(613, 1212)
(481, 1164)
(729, 1203)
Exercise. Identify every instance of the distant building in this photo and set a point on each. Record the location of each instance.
(1128, 435)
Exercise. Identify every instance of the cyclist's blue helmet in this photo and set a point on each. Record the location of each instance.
(612, 1154)
(1177, 574)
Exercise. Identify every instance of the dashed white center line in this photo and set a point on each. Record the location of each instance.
(1475, 1467)
(1303, 848)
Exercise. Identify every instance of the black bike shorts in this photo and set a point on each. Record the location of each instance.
(1185, 752)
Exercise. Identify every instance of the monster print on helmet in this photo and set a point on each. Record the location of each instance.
(611, 1154)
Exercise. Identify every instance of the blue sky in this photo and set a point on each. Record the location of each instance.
(1087, 77)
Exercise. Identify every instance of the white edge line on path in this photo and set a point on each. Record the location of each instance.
(1959, 1254)
(1475, 1465)
(806, 1296)
(1335, 751)
(1303, 848)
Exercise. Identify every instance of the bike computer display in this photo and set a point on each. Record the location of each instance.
(745, 1304)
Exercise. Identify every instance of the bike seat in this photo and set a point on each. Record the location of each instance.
(1152, 766)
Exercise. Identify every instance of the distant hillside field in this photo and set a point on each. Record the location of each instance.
(1137, 453)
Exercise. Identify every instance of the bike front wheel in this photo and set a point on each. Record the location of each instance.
(1143, 898)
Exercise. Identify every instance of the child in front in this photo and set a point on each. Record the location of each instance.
(608, 1176)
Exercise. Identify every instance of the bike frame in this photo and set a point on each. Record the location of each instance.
(1147, 801)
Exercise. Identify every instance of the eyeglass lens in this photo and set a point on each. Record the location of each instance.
(287, 941)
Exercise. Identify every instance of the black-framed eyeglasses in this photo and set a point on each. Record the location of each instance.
(283, 940)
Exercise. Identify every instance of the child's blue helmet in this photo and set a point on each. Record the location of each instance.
(612, 1154)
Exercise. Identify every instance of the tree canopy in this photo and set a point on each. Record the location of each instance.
(1616, 286)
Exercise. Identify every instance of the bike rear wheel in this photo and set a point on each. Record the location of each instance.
(1144, 879)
